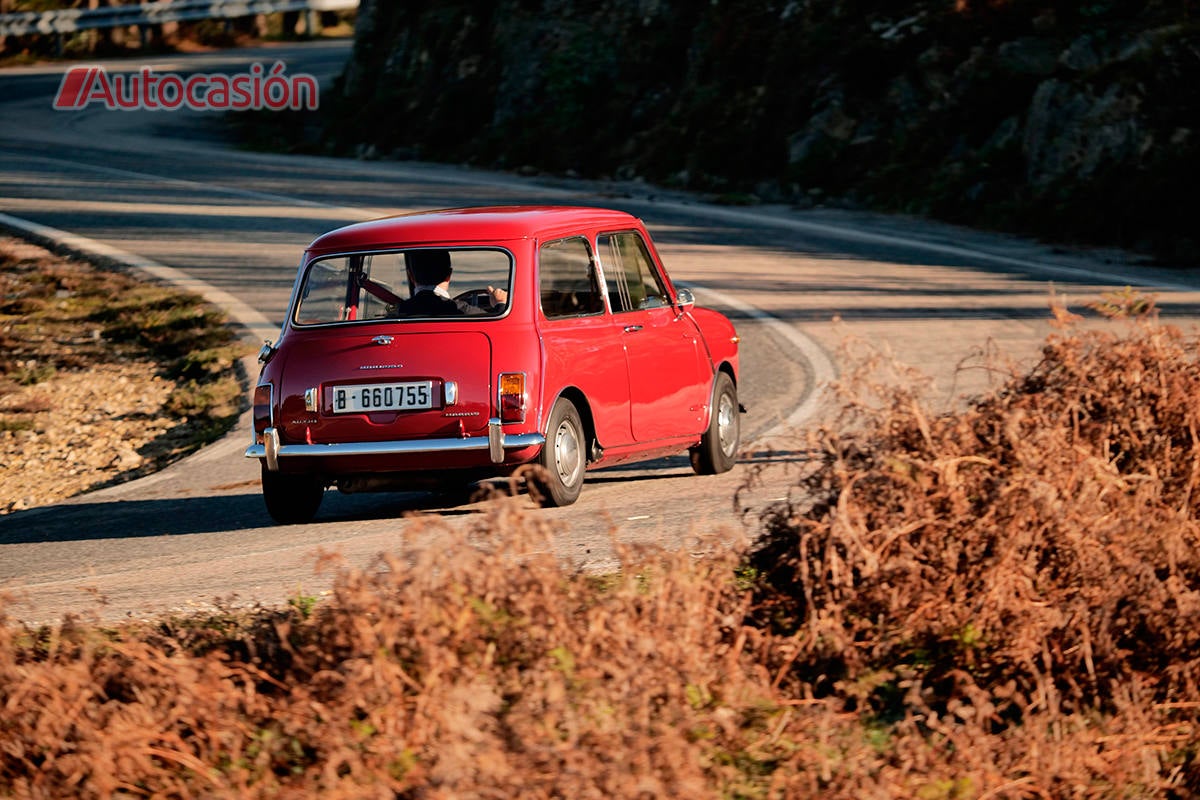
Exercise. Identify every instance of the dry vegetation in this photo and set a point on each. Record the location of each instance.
(102, 378)
(999, 602)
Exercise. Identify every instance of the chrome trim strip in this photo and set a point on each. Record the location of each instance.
(273, 451)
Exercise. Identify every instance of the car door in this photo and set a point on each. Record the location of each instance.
(669, 374)
(581, 348)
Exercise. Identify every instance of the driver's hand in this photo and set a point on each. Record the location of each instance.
(499, 296)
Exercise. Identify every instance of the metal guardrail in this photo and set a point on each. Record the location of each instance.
(69, 20)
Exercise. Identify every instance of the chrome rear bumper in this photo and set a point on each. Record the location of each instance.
(496, 442)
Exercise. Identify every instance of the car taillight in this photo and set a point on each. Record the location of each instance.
(262, 407)
(512, 397)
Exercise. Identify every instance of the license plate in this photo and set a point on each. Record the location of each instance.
(383, 397)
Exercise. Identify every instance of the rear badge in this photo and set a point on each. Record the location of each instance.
(461, 414)
(382, 366)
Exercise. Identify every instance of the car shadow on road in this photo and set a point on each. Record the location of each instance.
(224, 513)
(181, 516)
(133, 518)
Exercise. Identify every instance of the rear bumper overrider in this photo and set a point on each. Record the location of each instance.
(496, 442)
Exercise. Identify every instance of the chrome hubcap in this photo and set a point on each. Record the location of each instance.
(567, 456)
(727, 425)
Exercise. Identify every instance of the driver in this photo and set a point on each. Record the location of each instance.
(429, 276)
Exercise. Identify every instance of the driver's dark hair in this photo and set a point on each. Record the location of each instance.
(429, 267)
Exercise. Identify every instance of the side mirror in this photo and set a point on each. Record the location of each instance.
(684, 299)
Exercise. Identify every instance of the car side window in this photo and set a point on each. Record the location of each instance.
(569, 287)
(323, 296)
(633, 282)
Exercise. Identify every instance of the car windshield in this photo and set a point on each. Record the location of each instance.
(420, 283)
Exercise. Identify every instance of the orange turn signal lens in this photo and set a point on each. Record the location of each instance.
(512, 396)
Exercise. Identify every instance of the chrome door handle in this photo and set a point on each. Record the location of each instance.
(632, 328)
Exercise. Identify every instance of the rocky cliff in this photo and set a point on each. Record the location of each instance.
(1074, 120)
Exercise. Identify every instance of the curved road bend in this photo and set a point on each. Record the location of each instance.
(163, 190)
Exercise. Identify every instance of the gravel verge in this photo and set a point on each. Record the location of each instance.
(103, 378)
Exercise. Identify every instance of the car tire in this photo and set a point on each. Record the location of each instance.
(563, 459)
(717, 451)
(291, 499)
(458, 492)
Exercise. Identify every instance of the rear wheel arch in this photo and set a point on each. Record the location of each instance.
(579, 400)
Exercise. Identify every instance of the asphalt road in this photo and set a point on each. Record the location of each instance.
(165, 192)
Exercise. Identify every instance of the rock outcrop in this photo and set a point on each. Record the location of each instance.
(1068, 120)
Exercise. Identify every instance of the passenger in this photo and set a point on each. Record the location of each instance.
(429, 276)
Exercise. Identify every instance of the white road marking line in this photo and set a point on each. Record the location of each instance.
(361, 213)
(822, 365)
(252, 319)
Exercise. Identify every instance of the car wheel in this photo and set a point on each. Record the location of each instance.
(563, 458)
(717, 451)
(291, 499)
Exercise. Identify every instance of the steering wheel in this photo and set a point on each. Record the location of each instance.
(479, 298)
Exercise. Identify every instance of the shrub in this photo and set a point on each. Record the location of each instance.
(1029, 564)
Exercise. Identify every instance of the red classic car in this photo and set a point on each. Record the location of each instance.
(562, 344)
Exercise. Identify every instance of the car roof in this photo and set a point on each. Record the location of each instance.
(462, 225)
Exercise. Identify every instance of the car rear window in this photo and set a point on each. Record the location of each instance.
(404, 285)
